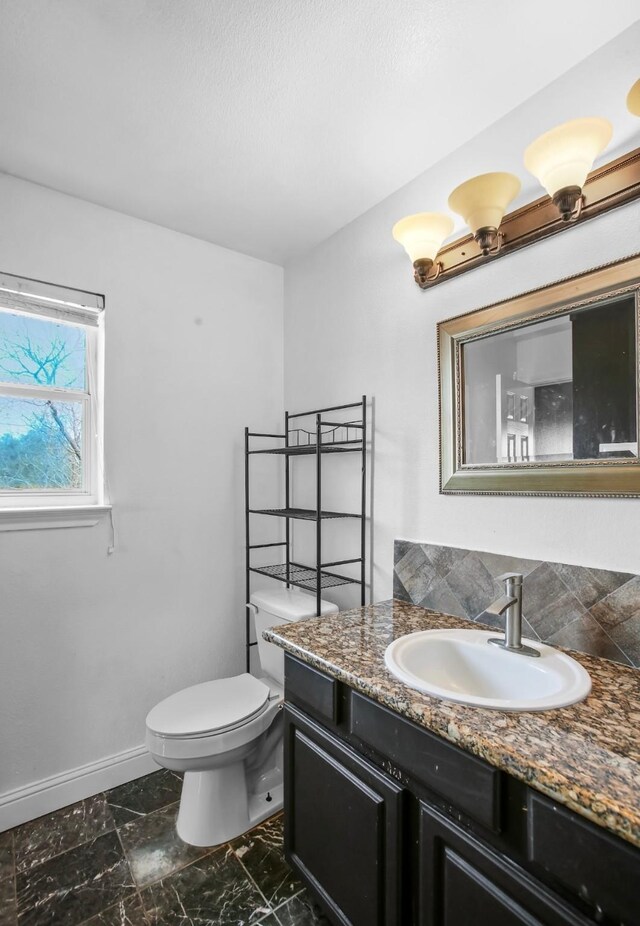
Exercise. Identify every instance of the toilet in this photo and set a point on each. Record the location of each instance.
(225, 736)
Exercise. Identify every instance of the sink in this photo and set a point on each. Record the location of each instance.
(460, 665)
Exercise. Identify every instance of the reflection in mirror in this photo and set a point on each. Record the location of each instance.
(559, 389)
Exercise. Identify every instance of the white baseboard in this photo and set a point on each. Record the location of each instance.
(49, 794)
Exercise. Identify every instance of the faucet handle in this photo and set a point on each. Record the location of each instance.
(515, 578)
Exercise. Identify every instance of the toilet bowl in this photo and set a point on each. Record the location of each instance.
(225, 736)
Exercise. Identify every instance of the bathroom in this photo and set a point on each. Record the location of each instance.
(165, 158)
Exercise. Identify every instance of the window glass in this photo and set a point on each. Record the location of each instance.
(37, 352)
(41, 444)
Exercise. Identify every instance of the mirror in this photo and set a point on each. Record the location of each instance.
(539, 395)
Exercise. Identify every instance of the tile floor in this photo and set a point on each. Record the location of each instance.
(116, 860)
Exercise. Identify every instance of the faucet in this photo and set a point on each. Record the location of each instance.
(511, 602)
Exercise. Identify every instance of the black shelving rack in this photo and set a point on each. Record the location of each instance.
(326, 437)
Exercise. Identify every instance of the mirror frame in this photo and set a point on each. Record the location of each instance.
(593, 478)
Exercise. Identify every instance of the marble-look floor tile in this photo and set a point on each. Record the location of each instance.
(6, 854)
(301, 911)
(215, 891)
(261, 853)
(42, 839)
(154, 849)
(8, 909)
(74, 886)
(144, 795)
(129, 912)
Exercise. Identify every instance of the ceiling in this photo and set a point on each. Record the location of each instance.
(267, 125)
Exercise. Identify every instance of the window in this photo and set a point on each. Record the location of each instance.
(50, 396)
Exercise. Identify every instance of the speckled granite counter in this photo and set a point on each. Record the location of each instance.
(586, 756)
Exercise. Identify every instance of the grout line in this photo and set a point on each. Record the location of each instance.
(126, 858)
(252, 880)
(617, 645)
(50, 858)
(289, 899)
(194, 861)
(110, 907)
(151, 813)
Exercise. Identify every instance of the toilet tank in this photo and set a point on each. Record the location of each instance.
(281, 606)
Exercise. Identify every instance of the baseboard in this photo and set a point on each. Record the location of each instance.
(49, 794)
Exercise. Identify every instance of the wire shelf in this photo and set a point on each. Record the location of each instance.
(312, 434)
(303, 576)
(300, 450)
(304, 514)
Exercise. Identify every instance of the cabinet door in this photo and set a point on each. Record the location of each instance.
(342, 826)
(463, 882)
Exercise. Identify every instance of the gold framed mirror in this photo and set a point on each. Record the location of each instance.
(539, 394)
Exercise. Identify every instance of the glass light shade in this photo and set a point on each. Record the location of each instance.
(633, 99)
(564, 156)
(483, 200)
(421, 235)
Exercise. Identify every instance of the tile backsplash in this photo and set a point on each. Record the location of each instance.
(590, 610)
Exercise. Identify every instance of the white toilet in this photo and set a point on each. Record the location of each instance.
(226, 735)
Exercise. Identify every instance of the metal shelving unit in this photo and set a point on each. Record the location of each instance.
(326, 437)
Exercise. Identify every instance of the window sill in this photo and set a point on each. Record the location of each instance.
(26, 519)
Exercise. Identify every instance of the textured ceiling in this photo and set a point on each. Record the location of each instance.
(267, 125)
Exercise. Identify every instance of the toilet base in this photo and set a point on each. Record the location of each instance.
(215, 807)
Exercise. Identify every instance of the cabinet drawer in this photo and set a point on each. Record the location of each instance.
(472, 785)
(314, 691)
(599, 868)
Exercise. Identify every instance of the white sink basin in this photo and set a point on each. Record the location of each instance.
(460, 665)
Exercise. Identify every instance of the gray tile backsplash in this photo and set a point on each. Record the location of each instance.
(590, 610)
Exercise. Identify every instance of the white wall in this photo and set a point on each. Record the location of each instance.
(355, 322)
(89, 642)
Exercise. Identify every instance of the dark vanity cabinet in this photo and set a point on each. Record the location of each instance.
(390, 825)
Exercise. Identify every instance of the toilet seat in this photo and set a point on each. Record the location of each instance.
(210, 708)
(240, 724)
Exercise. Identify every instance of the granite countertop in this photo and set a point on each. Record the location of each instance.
(586, 756)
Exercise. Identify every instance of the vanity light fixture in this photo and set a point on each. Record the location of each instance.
(633, 99)
(482, 203)
(562, 158)
(421, 236)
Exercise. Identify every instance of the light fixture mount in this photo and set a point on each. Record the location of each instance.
(569, 202)
(489, 240)
(421, 269)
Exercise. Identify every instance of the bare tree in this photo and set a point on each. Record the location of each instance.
(43, 363)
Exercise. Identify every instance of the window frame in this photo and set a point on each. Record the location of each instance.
(51, 507)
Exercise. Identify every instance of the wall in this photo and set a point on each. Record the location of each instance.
(91, 642)
(355, 322)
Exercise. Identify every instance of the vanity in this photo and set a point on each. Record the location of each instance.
(406, 810)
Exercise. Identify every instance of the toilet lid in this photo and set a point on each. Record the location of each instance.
(211, 707)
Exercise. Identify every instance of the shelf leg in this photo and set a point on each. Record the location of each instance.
(318, 513)
(248, 551)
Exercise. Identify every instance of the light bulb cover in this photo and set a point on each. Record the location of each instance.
(422, 234)
(482, 201)
(633, 99)
(563, 157)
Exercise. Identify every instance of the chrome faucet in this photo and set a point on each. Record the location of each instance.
(511, 602)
